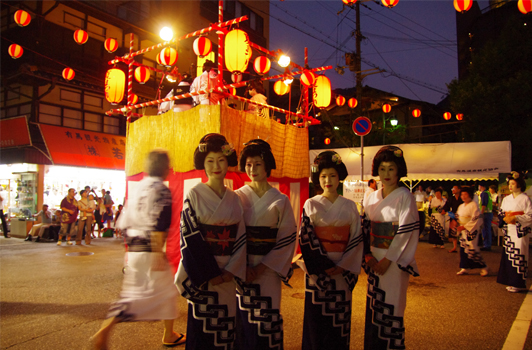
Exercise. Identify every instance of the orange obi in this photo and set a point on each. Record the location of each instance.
(514, 213)
(333, 238)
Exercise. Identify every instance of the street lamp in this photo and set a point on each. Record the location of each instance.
(166, 33)
(394, 121)
(284, 61)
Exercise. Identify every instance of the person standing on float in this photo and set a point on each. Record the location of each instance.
(213, 249)
(331, 245)
(391, 238)
(271, 237)
(515, 217)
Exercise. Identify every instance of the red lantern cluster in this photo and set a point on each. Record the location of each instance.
(22, 18)
(308, 78)
(202, 46)
(68, 73)
(459, 116)
(389, 3)
(386, 108)
(262, 65)
(110, 45)
(447, 115)
(81, 36)
(416, 113)
(15, 51)
(142, 74)
(462, 5)
(352, 103)
(340, 100)
(168, 56)
(524, 6)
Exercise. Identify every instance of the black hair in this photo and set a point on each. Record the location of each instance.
(257, 85)
(325, 160)
(519, 179)
(208, 65)
(390, 154)
(371, 181)
(258, 148)
(493, 187)
(439, 189)
(469, 190)
(81, 192)
(213, 143)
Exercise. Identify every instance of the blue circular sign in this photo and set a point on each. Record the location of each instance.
(362, 126)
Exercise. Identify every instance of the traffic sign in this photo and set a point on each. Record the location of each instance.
(362, 126)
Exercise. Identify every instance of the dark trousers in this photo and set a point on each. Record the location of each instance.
(4, 222)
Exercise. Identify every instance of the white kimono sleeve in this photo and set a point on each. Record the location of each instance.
(352, 258)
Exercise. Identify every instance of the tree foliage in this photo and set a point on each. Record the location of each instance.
(496, 95)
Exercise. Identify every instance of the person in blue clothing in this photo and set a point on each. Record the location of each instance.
(486, 211)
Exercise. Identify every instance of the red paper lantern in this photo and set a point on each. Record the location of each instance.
(459, 116)
(447, 115)
(110, 44)
(386, 108)
(349, 2)
(525, 6)
(81, 36)
(142, 74)
(115, 84)
(463, 5)
(389, 3)
(168, 56)
(237, 51)
(22, 18)
(352, 103)
(133, 99)
(322, 91)
(308, 78)
(236, 77)
(68, 73)
(15, 51)
(416, 113)
(327, 141)
(262, 65)
(202, 46)
(281, 88)
(340, 100)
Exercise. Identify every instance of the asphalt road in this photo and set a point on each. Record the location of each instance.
(53, 301)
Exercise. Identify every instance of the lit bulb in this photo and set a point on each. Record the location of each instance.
(284, 61)
(166, 34)
(288, 81)
(394, 122)
(171, 78)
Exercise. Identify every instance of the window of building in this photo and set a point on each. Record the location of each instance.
(72, 118)
(49, 114)
(96, 29)
(92, 100)
(13, 94)
(73, 20)
(93, 122)
(70, 95)
(111, 125)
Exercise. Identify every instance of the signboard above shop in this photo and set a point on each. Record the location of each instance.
(14, 132)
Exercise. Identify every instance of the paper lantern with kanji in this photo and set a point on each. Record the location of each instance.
(524, 6)
(15, 51)
(81, 36)
(352, 103)
(22, 18)
(462, 5)
(142, 74)
(281, 88)
(202, 46)
(168, 56)
(308, 78)
(416, 113)
(110, 44)
(447, 115)
(459, 116)
(133, 99)
(386, 108)
(237, 51)
(322, 91)
(68, 73)
(115, 84)
(389, 3)
(340, 100)
(262, 65)
(327, 141)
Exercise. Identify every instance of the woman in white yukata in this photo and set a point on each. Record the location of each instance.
(438, 229)
(515, 217)
(148, 291)
(271, 237)
(469, 221)
(391, 232)
(213, 249)
(331, 244)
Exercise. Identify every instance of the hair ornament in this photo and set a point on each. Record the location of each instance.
(202, 147)
(398, 153)
(314, 167)
(336, 159)
(227, 149)
(515, 174)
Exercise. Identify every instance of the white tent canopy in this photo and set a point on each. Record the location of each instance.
(437, 161)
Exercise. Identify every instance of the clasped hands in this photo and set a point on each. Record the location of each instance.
(226, 276)
(379, 267)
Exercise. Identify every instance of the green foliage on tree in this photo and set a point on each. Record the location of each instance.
(496, 95)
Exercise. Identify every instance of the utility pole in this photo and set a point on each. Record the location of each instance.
(358, 55)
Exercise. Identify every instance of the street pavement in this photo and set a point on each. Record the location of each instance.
(53, 301)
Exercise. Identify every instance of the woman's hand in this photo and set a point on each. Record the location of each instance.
(225, 277)
(253, 273)
(334, 271)
(370, 261)
(510, 219)
(382, 266)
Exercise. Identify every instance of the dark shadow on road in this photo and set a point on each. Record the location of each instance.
(18, 308)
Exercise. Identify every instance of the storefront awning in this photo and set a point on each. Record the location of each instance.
(14, 132)
(75, 147)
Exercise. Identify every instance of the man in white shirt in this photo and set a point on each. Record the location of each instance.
(420, 197)
(372, 187)
(3, 201)
(86, 208)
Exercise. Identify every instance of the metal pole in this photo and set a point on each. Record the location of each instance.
(362, 158)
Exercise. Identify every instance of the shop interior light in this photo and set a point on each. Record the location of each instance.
(166, 33)
(336, 128)
(284, 61)
(171, 78)
(394, 122)
(288, 80)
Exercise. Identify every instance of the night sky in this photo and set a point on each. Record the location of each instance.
(415, 39)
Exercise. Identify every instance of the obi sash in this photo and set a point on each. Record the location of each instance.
(136, 244)
(260, 239)
(333, 238)
(220, 239)
(382, 234)
(514, 213)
